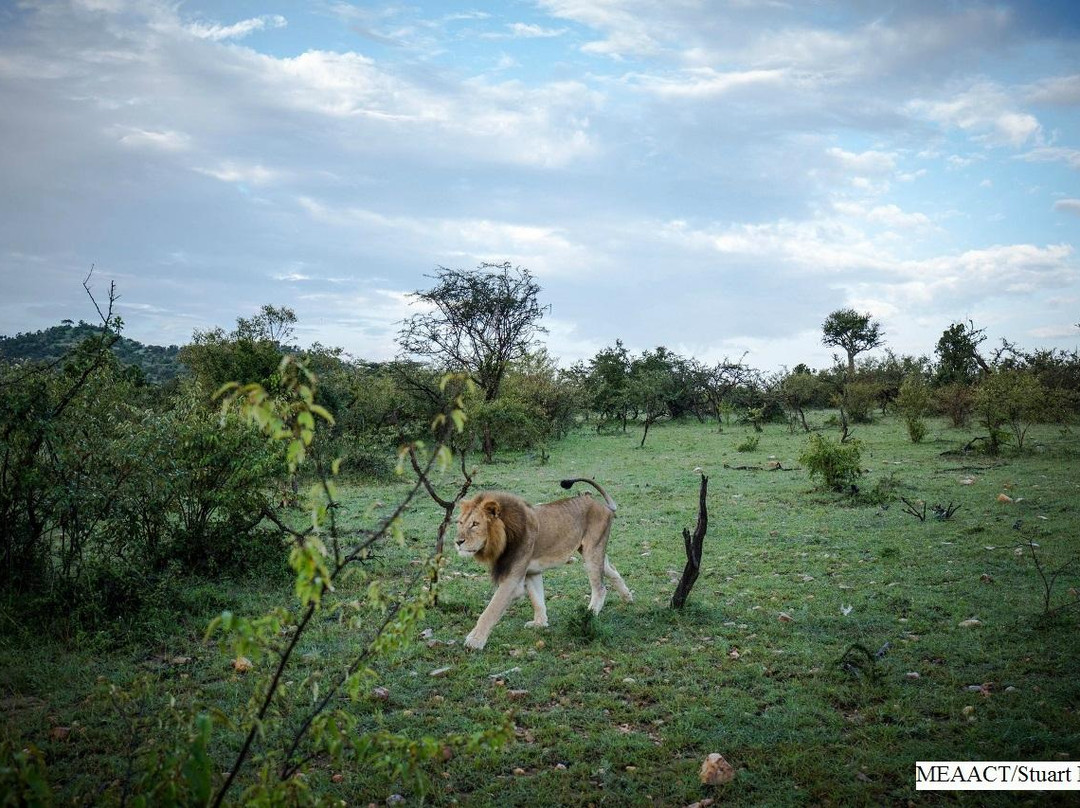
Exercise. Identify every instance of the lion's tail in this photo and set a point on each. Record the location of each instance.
(607, 497)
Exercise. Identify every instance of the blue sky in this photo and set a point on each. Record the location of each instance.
(714, 177)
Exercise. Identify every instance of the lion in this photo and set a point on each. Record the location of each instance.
(518, 541)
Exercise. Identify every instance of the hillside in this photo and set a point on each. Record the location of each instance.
(158, 363)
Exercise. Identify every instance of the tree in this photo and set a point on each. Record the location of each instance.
(1009, 397)
(853, 332)
(654, 384)
(799, 390)
(607, 385)
(479, 322)
(273, 323)
(718, 382)
(959, 361)
(253, 350)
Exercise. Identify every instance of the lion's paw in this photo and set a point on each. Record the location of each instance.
(536, 624)
(474, 643)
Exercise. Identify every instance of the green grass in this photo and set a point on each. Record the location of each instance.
(622, 709)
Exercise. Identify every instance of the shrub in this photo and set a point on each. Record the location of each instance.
(955, 401)
(836, 463)
(916, 428)
(859, 399)
(748, 445)
(913, 402)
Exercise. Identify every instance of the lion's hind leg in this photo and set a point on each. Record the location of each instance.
(534, 586)
(617, 581)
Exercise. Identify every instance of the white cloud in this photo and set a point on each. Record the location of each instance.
(522, 30)
(867, 162)
(704, 82)
(893, 216)
(1056, 91)
(238, 30)
(165, 140)
(1051, 154)
(252, 174)
(986, 111)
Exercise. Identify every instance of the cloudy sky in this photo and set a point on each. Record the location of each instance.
(714, 176)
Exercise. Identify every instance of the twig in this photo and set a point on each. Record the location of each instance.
(909, 507)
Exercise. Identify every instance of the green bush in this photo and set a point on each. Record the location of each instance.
(836, 463)
(916, 428)
(748, 445)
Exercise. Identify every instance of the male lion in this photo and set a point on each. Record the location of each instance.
(518, 541)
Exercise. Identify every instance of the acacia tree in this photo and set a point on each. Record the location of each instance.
(479, 322)
(959, 361)
(853, 332)
(719, 381)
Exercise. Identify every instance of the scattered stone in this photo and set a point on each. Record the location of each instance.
(715, 771)
(241, 664)
(784, 617)
(912, 675)
(380, 693)
(1005, 499)
(516, 695)
(440, 672)
(972, 623)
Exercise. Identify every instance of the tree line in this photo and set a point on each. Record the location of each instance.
(109, 481)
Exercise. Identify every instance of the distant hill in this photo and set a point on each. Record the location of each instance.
(158, 363)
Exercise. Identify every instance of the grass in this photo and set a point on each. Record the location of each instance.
(622, 709)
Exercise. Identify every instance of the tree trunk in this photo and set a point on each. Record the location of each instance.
(692, 545)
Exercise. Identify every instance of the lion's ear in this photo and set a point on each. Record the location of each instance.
(492, 508)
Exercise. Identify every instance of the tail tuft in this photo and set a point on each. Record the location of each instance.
(607, 499)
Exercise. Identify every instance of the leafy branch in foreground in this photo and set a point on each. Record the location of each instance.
(293, 418)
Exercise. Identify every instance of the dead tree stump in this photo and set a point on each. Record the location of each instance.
(693, 549)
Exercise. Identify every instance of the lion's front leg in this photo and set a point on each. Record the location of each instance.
(534, 585)
(506, 593)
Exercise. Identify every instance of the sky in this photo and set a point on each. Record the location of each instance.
(713, 176)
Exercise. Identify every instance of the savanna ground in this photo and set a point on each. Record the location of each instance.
(622, 710)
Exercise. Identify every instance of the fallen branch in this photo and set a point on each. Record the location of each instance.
(767, 467)
(693, 549)
(910, 507)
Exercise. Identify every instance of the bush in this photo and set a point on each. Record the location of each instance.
(836, 463)
(913, 402)
(916, 428)
(956, 402)
(748, 445)
(859, 399)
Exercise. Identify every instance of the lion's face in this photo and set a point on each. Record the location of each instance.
(478, 521)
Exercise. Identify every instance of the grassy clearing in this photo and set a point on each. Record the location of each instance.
(621, 710)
